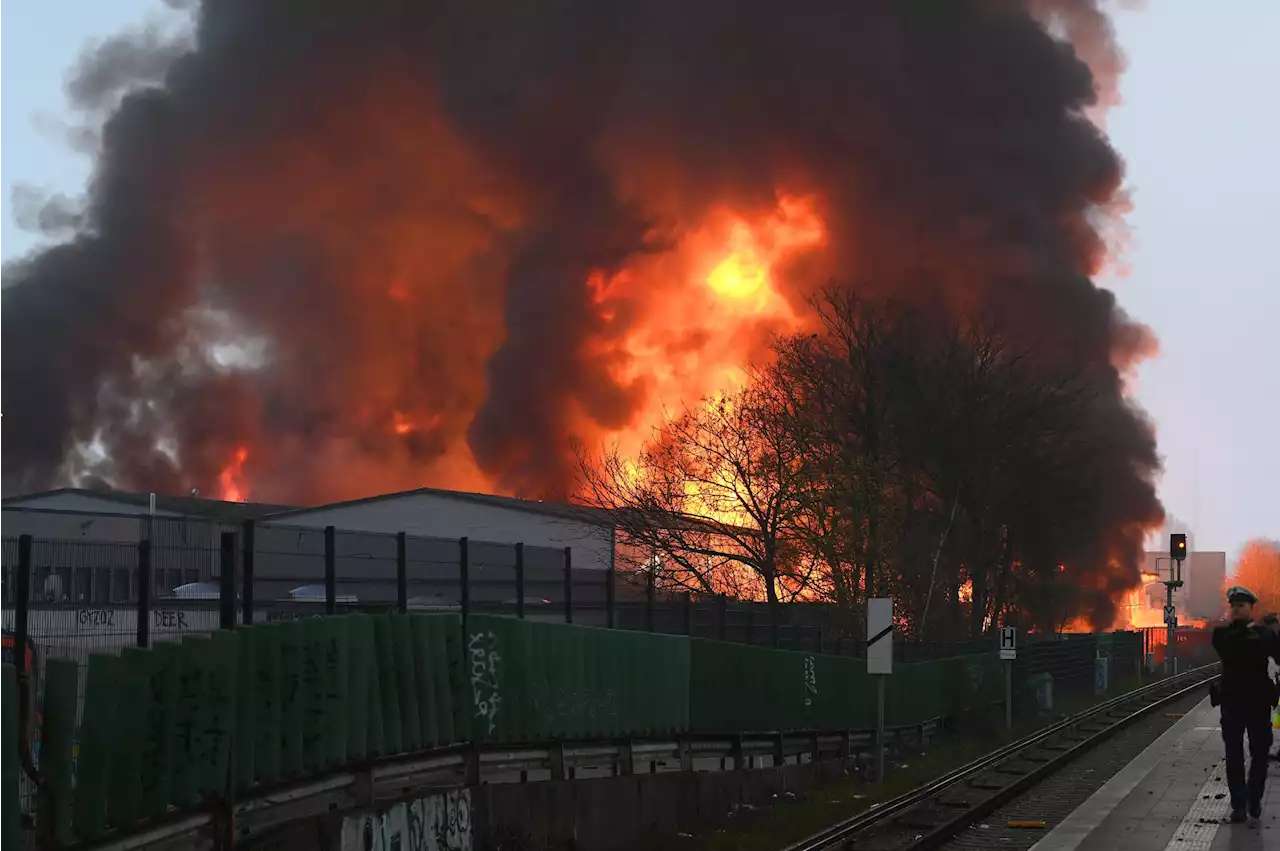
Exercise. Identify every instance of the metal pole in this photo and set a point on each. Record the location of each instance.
(246, 566)
(330, 570)
(464, 579)
(520, 580)
(568, 585)
(1008, 695)
(144, 593)
(651, 594)
(880, 743)
(611, 597)
(22, 604)
(402, 573)
(688, 613)
(227, 582)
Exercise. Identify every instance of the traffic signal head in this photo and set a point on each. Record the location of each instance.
(1178, 546)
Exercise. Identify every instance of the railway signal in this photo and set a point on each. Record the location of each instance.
(1177, 554)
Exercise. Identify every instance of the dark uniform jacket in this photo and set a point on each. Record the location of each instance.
(1244, 650)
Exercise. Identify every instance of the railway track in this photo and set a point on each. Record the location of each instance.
(927, 817)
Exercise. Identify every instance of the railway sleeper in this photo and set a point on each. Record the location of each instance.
(952, 804)
(917, 821)
(989, 785)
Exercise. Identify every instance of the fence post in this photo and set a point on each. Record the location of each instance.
(688, 613)
(402, 572)
(144, 593)
(819, 642)
(520, 580)
(330, 570)
(773, 624)
(246, 567)
(464, 578)
(22, 605)
(722, 628)
(650, 597)
(227, 582)
(568, 585)
(751, 622)
(610, 596)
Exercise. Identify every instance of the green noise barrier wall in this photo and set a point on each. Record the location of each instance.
(220, 715)
(526, 681)
(739, 688)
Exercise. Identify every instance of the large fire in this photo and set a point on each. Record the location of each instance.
(396, 245)
(705, 307)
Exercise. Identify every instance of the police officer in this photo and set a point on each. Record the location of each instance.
(1247, 696)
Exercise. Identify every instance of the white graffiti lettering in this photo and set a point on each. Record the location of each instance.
(438, 823)
(483, 648)
(810, 679)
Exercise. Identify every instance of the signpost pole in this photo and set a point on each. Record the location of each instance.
(1008, 695)
(880, 665)
(880, 742)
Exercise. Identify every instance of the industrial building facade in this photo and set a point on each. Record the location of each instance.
(87, 542)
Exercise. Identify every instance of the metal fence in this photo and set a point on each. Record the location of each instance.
(165, 577)
(156, 579)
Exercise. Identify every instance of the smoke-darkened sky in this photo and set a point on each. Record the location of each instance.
(495, 85)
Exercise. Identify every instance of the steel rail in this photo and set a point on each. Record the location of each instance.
(835, 836)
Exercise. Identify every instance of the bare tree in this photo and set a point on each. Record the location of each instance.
(711, 503)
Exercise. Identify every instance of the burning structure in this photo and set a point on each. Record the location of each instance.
(341, 248)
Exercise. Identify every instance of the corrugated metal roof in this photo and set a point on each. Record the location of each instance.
(565, 510)
(190, 506)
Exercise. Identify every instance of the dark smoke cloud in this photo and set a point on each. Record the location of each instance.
(396, 204)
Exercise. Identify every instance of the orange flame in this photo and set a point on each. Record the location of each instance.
(232, 480)
(709, 305)
(676, 327)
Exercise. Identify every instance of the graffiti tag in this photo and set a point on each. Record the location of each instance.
(810, 679)
(483, 650)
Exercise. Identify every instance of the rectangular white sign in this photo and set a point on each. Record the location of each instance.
(880, 635)
(1008, 642)
(1170, 615)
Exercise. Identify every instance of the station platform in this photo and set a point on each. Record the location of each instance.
(1171, 797)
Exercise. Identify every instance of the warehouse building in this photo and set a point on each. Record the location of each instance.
(86, 540)
(556, 538)
(86, 547)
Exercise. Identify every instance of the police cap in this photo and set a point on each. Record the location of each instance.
(1240, 594)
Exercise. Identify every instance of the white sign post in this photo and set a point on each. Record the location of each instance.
(880, 664)
(1008, 652)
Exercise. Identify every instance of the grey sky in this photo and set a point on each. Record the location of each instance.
(1199, 142)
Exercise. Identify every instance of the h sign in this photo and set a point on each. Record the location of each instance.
(1008, 642)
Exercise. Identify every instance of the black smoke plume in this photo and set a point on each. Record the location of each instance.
(318, 219)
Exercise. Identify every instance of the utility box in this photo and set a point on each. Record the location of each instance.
(1101, 674)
